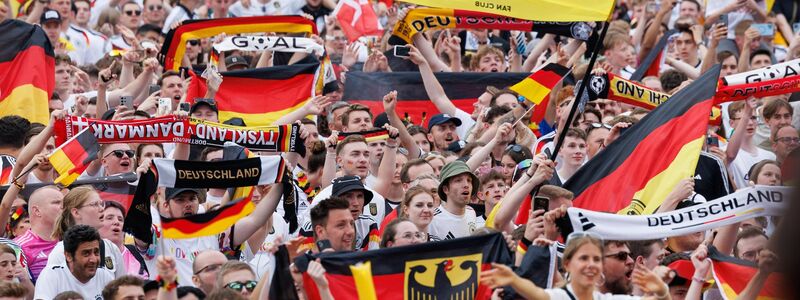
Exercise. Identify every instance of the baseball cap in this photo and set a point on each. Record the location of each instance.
(344, 184)
(441, 119)
(235, 60)
(204, 101)
(50, 16)
(170, 193)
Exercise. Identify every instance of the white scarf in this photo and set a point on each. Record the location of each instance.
(269, 43)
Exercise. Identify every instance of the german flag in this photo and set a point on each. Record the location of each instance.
(732, 276)
(260, 96)
(636, 172)
(205, 224)
(536, 88)
(74, 156)
(463, 89)
(175, 43)
(6, 166)
(369, 135)
(437, 270)
(27, 71)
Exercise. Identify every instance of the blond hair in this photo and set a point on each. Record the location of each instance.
(76, 198)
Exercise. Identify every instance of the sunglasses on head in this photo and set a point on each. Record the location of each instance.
(250, 285)
(514, 147)
(120, 153)
(133, 12)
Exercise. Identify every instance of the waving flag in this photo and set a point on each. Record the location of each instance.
(733, 274)
(436, 270)
(74, 156)
(536, 88)
(539, 10)
(635, 173)
(27, 71)
(357, 19)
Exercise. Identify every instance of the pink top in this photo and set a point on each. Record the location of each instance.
(36, 249)
(131, 264)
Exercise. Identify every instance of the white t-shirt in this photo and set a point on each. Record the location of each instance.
(114, 264)
(466, 123)
(375, 209)
(446, 225)
(179, 13)
(184, 252)
(270, 8)
(561, 294)
(59, 279)
(262, 260)
(743, 162)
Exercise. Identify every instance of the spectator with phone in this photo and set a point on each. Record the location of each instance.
(736, 12)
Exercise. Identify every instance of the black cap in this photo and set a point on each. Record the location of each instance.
(170, 193)
(204, 101)
(150, 285)
(344, 184)
(441, 119)
(235, 60)
(50, 16)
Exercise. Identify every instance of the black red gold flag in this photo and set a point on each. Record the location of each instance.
(260, 96)
(463, 89)
(369, 135)
(732, 276)
(635, 173)
(73, 157)
(27, 71)
(175, 43)
(282, 285)
(435, 270)
(6, 166)
(536, 89)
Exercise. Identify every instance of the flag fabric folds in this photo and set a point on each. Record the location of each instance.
(424, 19)
(463, 89)
(281, 286)
(208, 223)
(175, 41)
(434, 270)
(732, 276)
(545, 10)
(536, 89)
(27, 71)
(260, 96)
(369, 135)
(6, 166)
(635, 173)
(357, 19)
(73, 157)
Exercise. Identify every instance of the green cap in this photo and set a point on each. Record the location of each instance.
(454, 169)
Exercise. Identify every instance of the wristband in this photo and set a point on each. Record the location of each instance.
(18, 185)
(698, 279)
(168, 286)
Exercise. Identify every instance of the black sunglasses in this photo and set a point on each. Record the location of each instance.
(194, 42)
(250, 285)
(622, 255)
(133, 12)
(514, 147)
(120, 153)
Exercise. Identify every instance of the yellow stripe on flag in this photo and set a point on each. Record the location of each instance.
(536, 10)
(362, 275)
(531, 89)
(26, 101)
(211, 229)
(263, 119)
(657, 189)
(63, 165)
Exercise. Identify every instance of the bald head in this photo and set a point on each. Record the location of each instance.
(45, 205)
(205, 268)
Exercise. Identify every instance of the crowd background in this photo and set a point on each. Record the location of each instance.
(423, 182)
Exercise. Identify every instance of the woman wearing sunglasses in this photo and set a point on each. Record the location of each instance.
(237, 276)
(583, 262)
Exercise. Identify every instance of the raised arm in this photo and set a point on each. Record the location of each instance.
(387, 167)
(651, 35)
(314, 106)
(139, 84)
(718, 32)
(329, 169)
(750, 35)
(426, 48)
(767, 261)
(501, 275)
(736, 141)
(390, 107)
(432, 85)
(246, 226)
(513, 199)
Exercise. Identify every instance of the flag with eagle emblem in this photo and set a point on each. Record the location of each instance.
(437, 270)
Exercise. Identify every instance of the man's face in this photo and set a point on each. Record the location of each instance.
(49, 204)
(339, 230)
(62, 7)
(358, 120)
(729, 66)
(117, 159)
(49, 146)
(183, 205)
(242, 277)
(335, 42)
(574, 151)
(313, 135)
(152, 36)
(356, 200)
(785, 141)
(442, 135)
(760, 61)
(83, 264)
(595, 140)
(686, 47)
(172, 87)
(620, 56)
(53, 30)
(507, 100)
(749, 248)
(129, 292)
(63, 74)
(131, 16)
(617, 271)
(687, 242)
(418, 170)
(492, 192)
(459, 189)
(491, 63)
(354, 159)
(91, 111)
(689, 9)
(220, 7)
(376, 151)
(84, 13)
(204, 112)
(337, 118)
(657, 253)
(781, 118)
(154, 11)
(207, 265)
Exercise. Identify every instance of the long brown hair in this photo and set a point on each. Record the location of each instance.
(76, 198)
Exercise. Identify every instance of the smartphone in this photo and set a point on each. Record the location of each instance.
(524, 164)
(723, 19)
(541, 202)
(796, 28)
(323, 244)
(653, 7)
(153, 88)
(765, 29)
(185, 106)
(712, 141)
(164, 106)
(127, 101)
(521, 43)
(401, 50)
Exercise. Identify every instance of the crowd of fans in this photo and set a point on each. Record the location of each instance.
(422, 184)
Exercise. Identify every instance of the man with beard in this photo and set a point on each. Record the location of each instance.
(442, 131)
(617, 268)
(82, 249)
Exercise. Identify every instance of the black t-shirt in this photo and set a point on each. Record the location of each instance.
(711, 178)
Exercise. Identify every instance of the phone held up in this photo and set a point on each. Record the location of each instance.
(541, 202)
(401, 50)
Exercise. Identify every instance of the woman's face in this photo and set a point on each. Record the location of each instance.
(8, 266)
(408, 234)
(90, 212)
(422, 141)
(420, 210)
(586, 266)
(437, 165)
(112, 225)
(509, 165)
(770, 175)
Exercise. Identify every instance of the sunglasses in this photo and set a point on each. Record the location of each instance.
(340, 180)
(515, 148)
(194, 42)
(584, 234)
(133, 12)
(621, 256)
(598, 125)
(209, 268)
(250, 285)
(155, 7)
(120, 153)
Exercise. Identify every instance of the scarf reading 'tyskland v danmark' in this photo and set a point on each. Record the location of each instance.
(744, 204)
(170, 129)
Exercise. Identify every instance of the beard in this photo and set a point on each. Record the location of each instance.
(619, 286)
